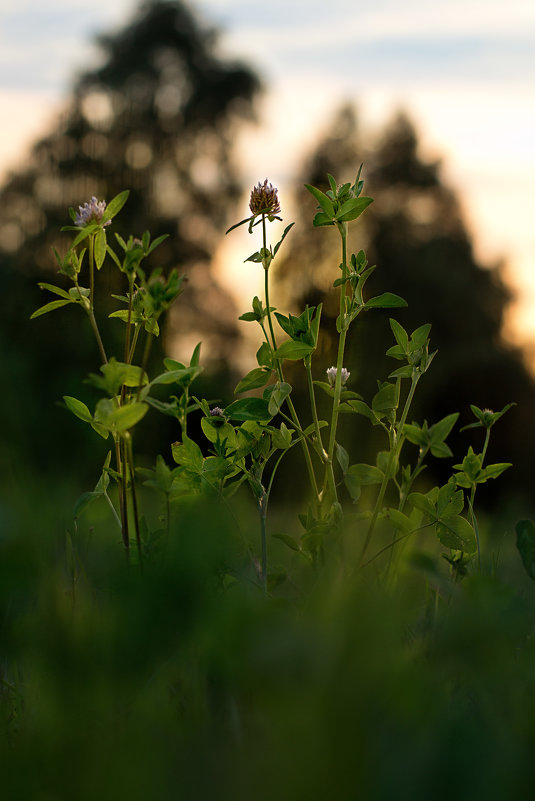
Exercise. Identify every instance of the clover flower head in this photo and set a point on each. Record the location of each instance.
(217, 411)
(331, 375)
(264, 199)
(92, 211)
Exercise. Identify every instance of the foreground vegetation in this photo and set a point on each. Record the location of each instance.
(183, 635)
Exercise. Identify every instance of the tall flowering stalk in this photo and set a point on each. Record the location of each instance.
(125, 384)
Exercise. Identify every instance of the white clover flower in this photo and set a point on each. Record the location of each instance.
(331, 375)
(93, 211)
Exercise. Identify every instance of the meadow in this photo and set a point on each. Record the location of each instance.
(176, 632)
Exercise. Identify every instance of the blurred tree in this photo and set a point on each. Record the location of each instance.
(158, 116)
(415, 233)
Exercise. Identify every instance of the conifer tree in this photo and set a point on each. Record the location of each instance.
(157, 116)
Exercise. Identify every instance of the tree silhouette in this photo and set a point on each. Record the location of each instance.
(158, 117)
(415, 233)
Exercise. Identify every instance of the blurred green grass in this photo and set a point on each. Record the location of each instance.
(178, 682)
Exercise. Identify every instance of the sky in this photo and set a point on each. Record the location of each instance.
(464, 70)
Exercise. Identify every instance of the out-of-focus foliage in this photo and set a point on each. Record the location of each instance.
(158, 117)
(179, 682)
(415, 233)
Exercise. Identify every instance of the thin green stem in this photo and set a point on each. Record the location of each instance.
(146, 354)
(393, 460)
(94, 326)
(329, 470)
(91, 270)
(129, 318)
(293, 413)
(112, 507)
(310, 382)
(262, 509)
(122, 461)
(265, 263)
(137, 329)
(471, 500)
(133, 492)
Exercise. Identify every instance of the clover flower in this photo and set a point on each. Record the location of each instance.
(217, 411)
(264, 199)
(92, 211)
(331, 375)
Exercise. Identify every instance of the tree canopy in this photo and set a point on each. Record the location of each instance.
(157, 116)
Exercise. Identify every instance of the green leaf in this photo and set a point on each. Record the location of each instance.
(78, 408)
(450, 501)
(56, 289)
(402, 372)
(353, 487)
(188, 454)
(215, 430)
(48, 307)
(248, 409)
(441, 451)
(287, 540)
(359, 407)
(84, 501)
(215, 468)
(115, 374)
(293, 350)
(281, 438)
(281, 240)
(366, 474)
(386, 399)
(324, 202)
(253, 380)
(385, 301)
(352, 209)
(264, 355)
(196, 355)
(100, 248)
(415, 435)
(493, 471)
(525, 542)
(322, 219)
(439, 431)
(423, 503)
(183, 376)
(342, 457)
(420, 335)
(400, 335)
(119, 418)
(115, 205)
(398, 520)
(457, 533)
(83, 234)
(276, 395)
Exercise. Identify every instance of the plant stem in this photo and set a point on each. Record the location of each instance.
(262, 509)
(291, 407)
(471, 500)
(393, 460)
(134, 495)
(129, 318)
(122, 466)
(329, 470)
(308, 368)
(94, 326)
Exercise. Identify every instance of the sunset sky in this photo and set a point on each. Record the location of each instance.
(463, 69)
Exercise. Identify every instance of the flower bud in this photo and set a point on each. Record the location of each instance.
(331, 375)
(264, 199)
